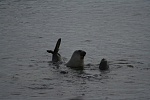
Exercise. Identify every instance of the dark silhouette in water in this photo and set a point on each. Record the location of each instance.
(103, 65)
(56, 56)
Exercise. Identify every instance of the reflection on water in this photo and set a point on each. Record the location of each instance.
(111, 29)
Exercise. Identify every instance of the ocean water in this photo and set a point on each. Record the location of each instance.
(117, 30)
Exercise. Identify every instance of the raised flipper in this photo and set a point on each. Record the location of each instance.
(56, 56)
(57, 46)
(50, 51)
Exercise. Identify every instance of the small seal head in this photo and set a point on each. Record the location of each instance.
(103, 65)
(77, 59)
(56, 57)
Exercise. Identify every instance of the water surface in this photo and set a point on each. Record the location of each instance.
(116, 30)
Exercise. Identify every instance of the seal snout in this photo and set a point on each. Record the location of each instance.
(82, 53)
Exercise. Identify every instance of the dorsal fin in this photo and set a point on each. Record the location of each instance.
(57, 46)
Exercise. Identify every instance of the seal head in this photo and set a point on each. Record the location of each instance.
(103, 65)
(77, 59)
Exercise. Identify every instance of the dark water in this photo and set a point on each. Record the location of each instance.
(118, 30)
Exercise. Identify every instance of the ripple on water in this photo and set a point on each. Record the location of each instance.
(41, 87)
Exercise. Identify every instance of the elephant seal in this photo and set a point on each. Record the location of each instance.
(103, 65)
(77, 60)
(56, 57)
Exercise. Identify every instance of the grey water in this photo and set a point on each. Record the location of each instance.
(117, 30)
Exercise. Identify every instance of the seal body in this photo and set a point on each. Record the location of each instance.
(77, 59)
(103, 65)
(56, 57)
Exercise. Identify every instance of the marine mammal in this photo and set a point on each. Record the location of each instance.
(56, 57)
(77, 60)
(103, 65)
